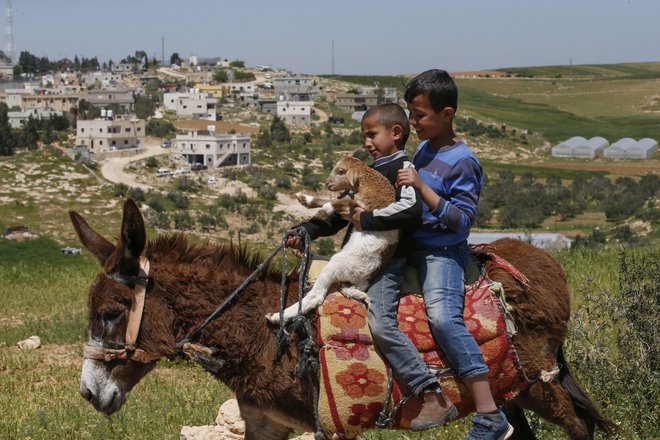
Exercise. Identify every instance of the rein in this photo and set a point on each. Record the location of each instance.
(128, 350)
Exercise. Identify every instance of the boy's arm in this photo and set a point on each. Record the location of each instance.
(456, 214)
(406, 211)
(317, 227)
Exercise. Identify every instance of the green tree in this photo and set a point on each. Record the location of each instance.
(175, 59)
(237, 63)
(221, 76)
(279, 131)
(7, 139)
(240, 76)
(145, 106)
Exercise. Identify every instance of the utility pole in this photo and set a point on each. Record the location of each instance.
(9, 33)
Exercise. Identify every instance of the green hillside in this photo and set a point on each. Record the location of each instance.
(627, 70)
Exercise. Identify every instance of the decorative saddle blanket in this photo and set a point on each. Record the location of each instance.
(354, 377)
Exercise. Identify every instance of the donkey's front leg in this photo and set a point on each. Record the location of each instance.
(258, 426)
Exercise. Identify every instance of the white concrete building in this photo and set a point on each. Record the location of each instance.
(213, 149)
(296, 89)
(193, 104)
(295, 112)
(17, 119)
(117, 133)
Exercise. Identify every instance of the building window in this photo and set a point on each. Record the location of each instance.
(127, 130)
(126, 142)
(100, 142)
(82, 130)
(100, 130)
(139, 129)
(208, 146)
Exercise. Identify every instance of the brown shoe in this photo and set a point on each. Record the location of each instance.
(436, 410)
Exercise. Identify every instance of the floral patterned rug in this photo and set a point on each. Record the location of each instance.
(354, 378)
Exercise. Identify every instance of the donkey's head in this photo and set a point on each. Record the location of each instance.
(122, 345)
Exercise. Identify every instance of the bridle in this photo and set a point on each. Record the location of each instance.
(128, 350)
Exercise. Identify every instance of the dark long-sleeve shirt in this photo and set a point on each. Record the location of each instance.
(404, 214)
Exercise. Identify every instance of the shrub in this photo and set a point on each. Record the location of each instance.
(614, 345)
(325, 247)
(119, 190)
(180, 200)
(151, 162)
(136, 194)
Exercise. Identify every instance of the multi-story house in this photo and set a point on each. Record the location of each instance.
(213, 149)
(295, 112)
(352, 102)
(296, 89)
(124, 99)
(120, 132)
(17, 119)
(193, 104)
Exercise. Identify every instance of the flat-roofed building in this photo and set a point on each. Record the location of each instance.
(124, 99)
(121, 132)
(17, 119)
(295, 112)
(352, 102)
(213, 149)
(193, 104)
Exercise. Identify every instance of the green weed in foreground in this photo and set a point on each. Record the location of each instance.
(39, 399)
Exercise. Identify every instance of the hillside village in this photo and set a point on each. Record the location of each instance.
(218, 148)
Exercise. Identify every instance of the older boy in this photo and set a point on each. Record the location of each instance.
(386, 130)
(449, 178)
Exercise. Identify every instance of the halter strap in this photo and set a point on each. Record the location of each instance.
(129, 349)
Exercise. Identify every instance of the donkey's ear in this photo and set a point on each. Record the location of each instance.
(133, 235)
(89, 238)
(353, 177)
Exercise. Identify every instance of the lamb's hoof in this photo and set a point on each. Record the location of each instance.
(303, 199)
(273, 318)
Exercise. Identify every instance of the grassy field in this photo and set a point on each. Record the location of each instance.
(44, 292)
(612, 101)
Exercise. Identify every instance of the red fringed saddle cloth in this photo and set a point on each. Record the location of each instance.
(354, 378)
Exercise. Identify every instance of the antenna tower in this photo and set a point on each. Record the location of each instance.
(9, 33)
(162, 50)
(332, 59)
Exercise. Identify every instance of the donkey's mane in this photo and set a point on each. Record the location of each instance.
(176, 246)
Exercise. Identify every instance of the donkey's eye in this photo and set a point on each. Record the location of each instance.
(340, 172)
(112, 315)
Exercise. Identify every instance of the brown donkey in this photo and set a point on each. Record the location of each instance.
(171, 286)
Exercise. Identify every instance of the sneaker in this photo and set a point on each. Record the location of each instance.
(490, 427)
(435, 411)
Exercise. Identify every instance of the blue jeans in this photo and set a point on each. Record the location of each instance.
(403, 357)
(441, 275)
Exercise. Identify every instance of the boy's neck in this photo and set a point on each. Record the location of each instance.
(449, 138)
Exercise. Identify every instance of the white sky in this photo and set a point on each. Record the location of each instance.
(371, 36)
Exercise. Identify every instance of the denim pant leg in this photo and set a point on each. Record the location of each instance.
(442, 276)
(399, 351)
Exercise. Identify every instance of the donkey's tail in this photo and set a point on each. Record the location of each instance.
(584, 407)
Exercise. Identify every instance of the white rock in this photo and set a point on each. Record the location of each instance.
(208, 433)
(30, 343)
(229, 415)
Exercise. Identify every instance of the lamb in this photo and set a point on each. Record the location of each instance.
(352, 268)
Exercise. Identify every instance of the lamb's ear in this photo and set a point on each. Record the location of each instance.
(132, 240)
(353, 177)
(90, 239)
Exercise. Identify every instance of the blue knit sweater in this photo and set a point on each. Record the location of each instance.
(455, 174)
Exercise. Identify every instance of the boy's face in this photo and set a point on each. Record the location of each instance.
(379, 140)
(428, 123)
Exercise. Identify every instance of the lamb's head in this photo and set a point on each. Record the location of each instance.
(345, 175)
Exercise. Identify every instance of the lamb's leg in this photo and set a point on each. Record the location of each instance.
(314, 297)
(310, 201)
(355, 293)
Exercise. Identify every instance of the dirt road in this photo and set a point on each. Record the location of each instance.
(113, 168)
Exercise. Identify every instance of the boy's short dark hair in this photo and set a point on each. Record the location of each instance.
(390, 115)
(437, 85)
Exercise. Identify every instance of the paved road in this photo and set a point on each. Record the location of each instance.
(113, 168)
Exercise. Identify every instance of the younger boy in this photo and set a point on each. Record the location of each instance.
(449, 178)
(386, 130)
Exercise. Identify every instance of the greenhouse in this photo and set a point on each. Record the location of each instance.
(565, 149)
(591, 149)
